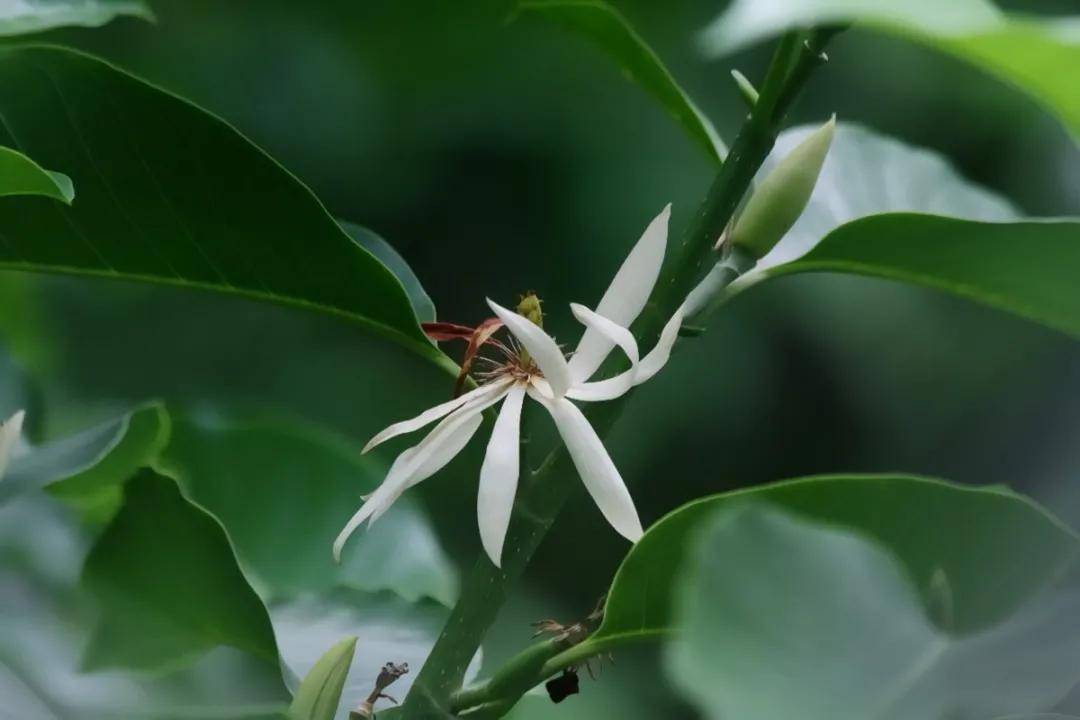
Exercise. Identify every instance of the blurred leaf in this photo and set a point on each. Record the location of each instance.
(745, 22)
(19, 17)
(603, 25)
(388, 256)
(283, 490)
(97, 490)
(389, 630)
(1040, 57)
(892, 176)
(168, 585)
(781, 617)
(46, 620)
(319, 694)
(996, 547)
(19, 175)
(101, 457)
(1027, 268)
(170, 194)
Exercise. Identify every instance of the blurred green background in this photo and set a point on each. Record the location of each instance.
(501, 156)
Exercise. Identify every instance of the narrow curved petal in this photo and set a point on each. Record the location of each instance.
(542, 386)
(10, 432)
(499, 476)
(435, 457)
(603, 390)
(423, 460)
(649, 365)
(657, 358)
(613, 332)
(625, 297)
(620, 384)
(428, 416)
(541, 347)
(596, 468)
(381, 498)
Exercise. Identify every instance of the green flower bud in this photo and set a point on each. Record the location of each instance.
(529, 307)
(780, 199)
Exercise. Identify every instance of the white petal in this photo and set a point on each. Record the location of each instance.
(499, 476)
(625, 297)
(649, 365)
(657, 358)
(615, 333)
(603, 390)
(428, 416)
(541, 347)
(543, 386)
(620, 384)
(10, 432)
(436, 456)
(423, 460)
(596, 468)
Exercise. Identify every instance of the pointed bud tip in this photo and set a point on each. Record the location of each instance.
(783, 195)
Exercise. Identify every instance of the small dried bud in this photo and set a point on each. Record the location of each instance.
(780, 199)
(563, 686)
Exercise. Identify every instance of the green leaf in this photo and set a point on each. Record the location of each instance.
(603, 25)
(170, 194)
(168, 585)
(892, 177)
(1027, 268)
(782, 617)
(996, 547)
(389, 629)
(745, 22)
(19, 175)
(18, 17)
(1039, 57)
(45, 623)
(388, 256)
(98, 459)
(319, 694)
(283, 490)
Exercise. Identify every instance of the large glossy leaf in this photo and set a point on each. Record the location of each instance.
(782, 617)
(319, 695)
(170, 194)
(18, 17)
(168, 585)
(1040, 57)
(1027, 268)
(867, 173)
(996, 548)
(19, 175)
(45, 624)
(283, 490)
(605, 26)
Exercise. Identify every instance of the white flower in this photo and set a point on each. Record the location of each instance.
(542, 373)
(10, 432)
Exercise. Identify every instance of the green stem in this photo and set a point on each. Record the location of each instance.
(544, 491)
